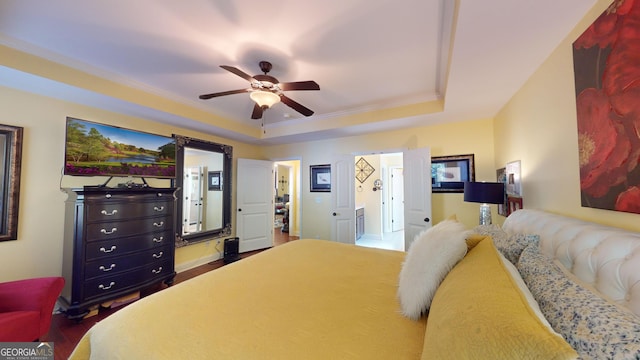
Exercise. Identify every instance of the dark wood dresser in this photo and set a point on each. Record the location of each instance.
(117, 241)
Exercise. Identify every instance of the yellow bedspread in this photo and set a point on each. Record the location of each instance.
(308, 299)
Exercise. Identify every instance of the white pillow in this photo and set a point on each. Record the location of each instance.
(433, 253)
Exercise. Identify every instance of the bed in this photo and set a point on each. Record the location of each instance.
(316, 299)
(305, 299)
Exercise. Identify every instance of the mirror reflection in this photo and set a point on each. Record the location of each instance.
(204, 196)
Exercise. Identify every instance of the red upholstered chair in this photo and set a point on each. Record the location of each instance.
(26, 307)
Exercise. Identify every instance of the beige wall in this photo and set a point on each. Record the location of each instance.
(538, 126)
(38, 250)
(282, 173)
(472, 137)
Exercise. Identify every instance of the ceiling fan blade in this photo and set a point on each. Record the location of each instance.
(296, 106)
(300, 85)
(223, 93)
(238, 72)
(257, 112)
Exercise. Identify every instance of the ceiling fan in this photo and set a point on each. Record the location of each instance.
(266, 90)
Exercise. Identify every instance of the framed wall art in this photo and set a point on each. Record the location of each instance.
(363, 170)
(320, 178)
(607, 90)
(501, 176)
(514, 184)
(214, 180)
(514, 204)
(448, 173)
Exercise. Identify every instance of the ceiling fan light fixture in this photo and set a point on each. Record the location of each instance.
(264, 98)
(266, 90)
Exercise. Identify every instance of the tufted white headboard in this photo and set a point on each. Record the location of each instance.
(605, 257)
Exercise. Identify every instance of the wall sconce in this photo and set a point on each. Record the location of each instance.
(377, 185)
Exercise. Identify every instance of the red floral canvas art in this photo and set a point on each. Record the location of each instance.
(607, 77)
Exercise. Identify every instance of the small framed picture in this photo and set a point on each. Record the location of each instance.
(514, 203)
(513, 185)
(320, 178)
(214, 180)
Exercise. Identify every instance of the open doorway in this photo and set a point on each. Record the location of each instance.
(379, 200)
(287, 201)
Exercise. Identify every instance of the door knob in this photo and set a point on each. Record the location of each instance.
(427, 219)
(335, 214)
(239, 209)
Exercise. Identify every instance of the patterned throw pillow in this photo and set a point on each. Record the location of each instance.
(595, 328)
(510, 245)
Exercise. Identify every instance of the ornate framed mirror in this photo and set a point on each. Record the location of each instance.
(203, 179)
(10, 166)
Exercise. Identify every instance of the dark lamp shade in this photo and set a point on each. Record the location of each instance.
(484, 192)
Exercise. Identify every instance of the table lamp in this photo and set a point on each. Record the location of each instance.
(485, 193)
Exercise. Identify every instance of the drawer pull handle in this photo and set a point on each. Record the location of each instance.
(109, 269)
(104, 212)
(106, 232)
(108, 196)
(161, 224)
(159, 194)
(156, 240)
(158, 255)
(106, 287)
(157, 271)
(108, 251)
(161, 208)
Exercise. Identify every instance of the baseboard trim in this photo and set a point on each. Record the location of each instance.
(197, 262)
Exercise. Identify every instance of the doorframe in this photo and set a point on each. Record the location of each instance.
(298, 191)
(402, 150)
(390, 196)
(387, 176)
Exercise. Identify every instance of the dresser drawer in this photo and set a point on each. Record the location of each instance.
(157, 269)
(117, 229)
(110, 284)
(110, 210)
(104, 286)
(115, 265)
(96, 250)
(125, 196)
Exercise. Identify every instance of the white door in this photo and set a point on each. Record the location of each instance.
(417, 193)
(192, 202)
(343, 217)
(255, 196)
(397, 199)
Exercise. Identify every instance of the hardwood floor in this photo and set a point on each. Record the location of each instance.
(65, 333)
